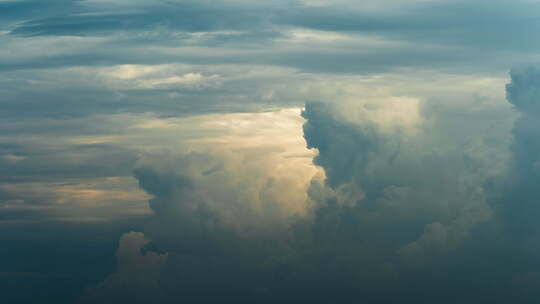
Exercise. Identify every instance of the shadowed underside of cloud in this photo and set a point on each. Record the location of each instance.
(413, 208)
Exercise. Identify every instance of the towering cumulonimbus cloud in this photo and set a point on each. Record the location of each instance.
(225, 214)
(201, 197)
(418, 197)
(411, 208)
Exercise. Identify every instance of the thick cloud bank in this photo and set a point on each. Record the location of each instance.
(420, 202)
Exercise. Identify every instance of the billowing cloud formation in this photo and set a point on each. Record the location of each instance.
(519, 203)
(251, 181)
(220, 209)
(247, 192)
(408, 183)
(411, 208)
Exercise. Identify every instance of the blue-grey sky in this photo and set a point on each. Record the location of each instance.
(262, 152)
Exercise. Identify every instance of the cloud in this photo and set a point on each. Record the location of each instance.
(158, 77)
(410, 183)
(426, 34)
(225, 203)
(81, 168)
(422, 174)
(407, 208)
(251, 180)
(440, 201)
(137, 274)
(519, 204)
(57, 259)
(79, 58)
(523, 90)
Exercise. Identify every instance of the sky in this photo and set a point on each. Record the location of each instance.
(285, 151)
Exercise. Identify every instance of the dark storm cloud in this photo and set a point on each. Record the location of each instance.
(401, 217)
(336, 156)
(520, 201)
(407, 195)
(508, 235)
(524, 90)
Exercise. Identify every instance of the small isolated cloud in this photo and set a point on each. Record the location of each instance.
(136, 279)
(158, 77)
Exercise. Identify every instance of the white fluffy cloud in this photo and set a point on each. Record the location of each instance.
(252, 177)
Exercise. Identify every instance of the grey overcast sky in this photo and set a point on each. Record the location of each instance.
(286, 151)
